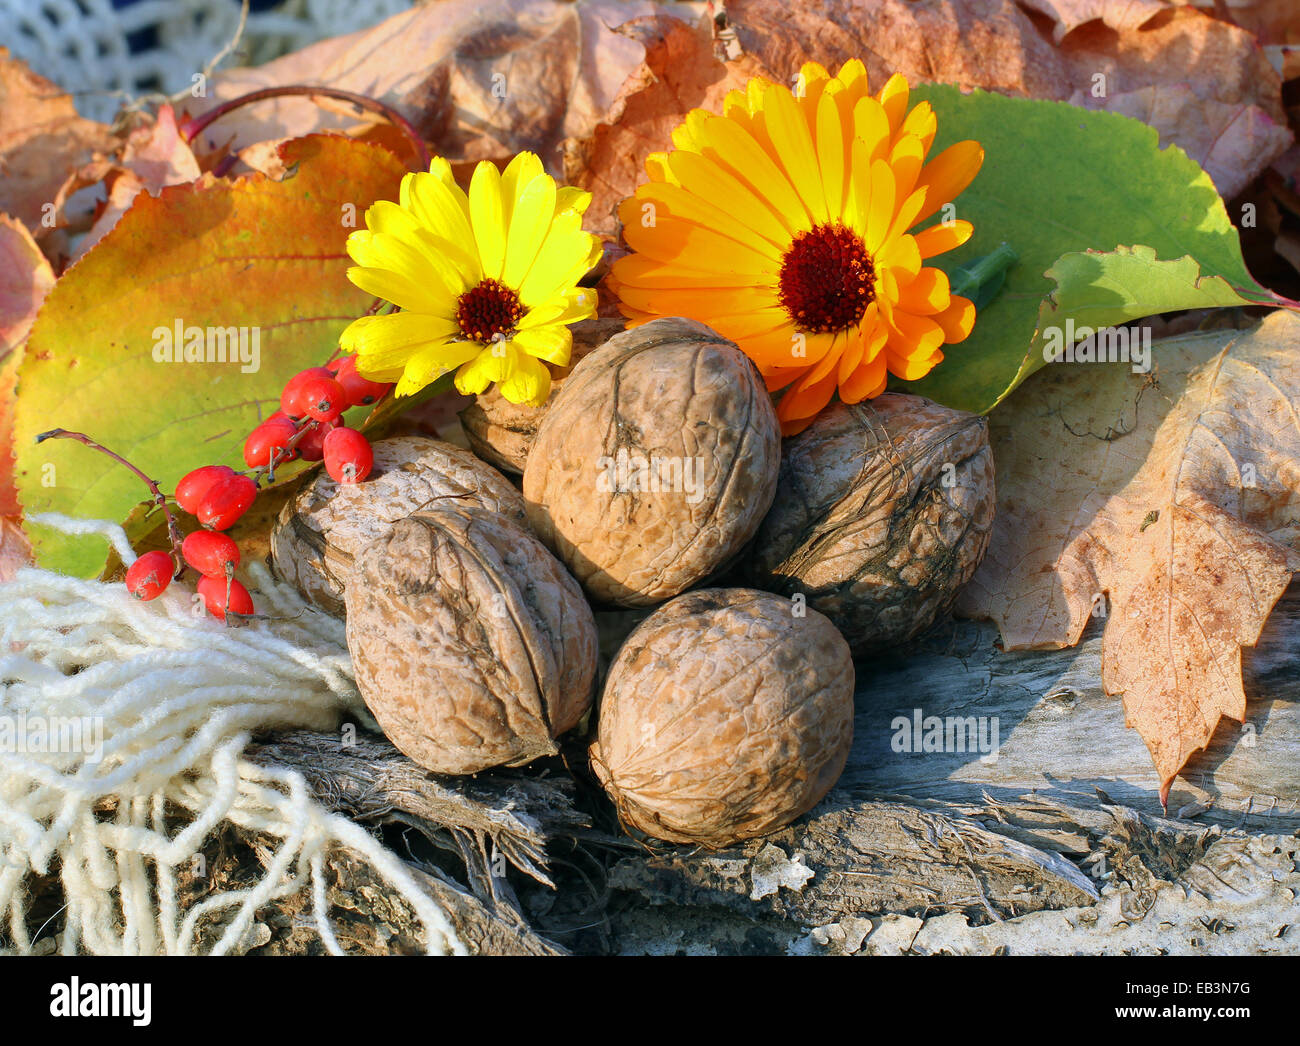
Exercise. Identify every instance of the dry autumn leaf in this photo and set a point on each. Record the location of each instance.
(242, 282)
(42, 139)
(154, 156)
(480, 79)
(680, 73)
(1120, 15)
(1204, 84)
(1170, 503)
(1272, 21)
(25, 280)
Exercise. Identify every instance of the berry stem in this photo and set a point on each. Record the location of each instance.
(173, 532)
(193, 127)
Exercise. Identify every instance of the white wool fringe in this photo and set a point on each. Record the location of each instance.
(176, 694)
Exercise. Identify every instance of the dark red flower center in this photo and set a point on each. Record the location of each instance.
(487, 311)
(826, 279)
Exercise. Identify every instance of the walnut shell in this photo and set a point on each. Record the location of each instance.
(727, 714)
(322, 528)
(883, 511)
(501, 432)
(471, 645)
(655, 464)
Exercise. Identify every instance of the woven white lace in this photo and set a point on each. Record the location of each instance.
(82, 45)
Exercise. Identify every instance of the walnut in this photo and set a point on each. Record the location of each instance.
(883, 511)
(727, 714)
(322, 528)
(471, 644)
(655, 464)
(501, 432)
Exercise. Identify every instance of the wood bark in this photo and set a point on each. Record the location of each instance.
(1053, 842)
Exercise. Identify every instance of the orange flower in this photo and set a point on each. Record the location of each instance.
(782, 224)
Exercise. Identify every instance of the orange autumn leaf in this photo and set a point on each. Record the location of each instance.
(137, 342)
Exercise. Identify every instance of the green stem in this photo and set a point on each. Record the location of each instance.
(970, 279)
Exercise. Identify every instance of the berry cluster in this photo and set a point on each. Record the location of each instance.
(308, 425)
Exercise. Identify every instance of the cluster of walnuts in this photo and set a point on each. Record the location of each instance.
(655, 478)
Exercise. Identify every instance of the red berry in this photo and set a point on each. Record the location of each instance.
(270, 441)
(208, 552)
(311, 446)
(322, 399)
(359, 391)
(214, 589)
(291, 399)
(149, 575)
(226, 502)
(348, 457)
(195, 485)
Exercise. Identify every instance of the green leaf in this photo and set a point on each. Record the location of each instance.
(1108, 228)
(251, 253)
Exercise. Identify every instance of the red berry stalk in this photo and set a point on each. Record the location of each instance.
(194, 126)
(148, 579)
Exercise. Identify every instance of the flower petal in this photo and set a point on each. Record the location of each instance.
(802, 402)
(654, 202)
(529, 383)
(945, 236)
(487, 218)
(893, 97)
(738, 152)
(957, 319)
(428, 364)
(912, 338)
(699, 303)
(871, 125)
(637, 270)
(867, 381)
(438, 206)
(551, 343)
(709, 180)
(926, 295)
(948, 174)
(388, 341)
(879, 206)
(794, 145)
(831, 155)
(399, 289)
(673, 240)
(530, 221)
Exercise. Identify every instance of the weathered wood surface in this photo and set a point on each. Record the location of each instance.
(1060, 736)
(1058, 844)
(899, 879)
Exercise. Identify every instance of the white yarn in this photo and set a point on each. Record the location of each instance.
(176, 696)
(82, 45)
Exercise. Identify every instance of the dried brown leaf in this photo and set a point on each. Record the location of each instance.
(25, 279)
(1203, 83)
(42, 139)
(1177, 496)
(1272, 21)
(971, 43)
(480, 79)
(153, 157)
(680, 73)
(1120, 15)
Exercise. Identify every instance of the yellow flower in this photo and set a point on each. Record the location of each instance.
(486, 283)
(782, 224)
